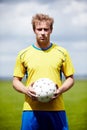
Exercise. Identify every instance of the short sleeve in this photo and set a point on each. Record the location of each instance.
(19, 69)
(67, 68)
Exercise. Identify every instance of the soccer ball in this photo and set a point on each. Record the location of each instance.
(44, 89)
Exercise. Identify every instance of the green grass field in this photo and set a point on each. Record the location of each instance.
(11, 106)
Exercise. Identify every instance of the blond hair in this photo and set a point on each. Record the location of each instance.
(42, 17)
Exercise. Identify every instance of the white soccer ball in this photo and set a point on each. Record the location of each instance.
(44, 89)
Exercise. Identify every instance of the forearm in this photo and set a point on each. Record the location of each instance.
(68, 83)
(19, 86)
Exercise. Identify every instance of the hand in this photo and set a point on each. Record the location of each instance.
(31, 93)
(56, 94)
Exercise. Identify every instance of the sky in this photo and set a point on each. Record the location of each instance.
(69, 31)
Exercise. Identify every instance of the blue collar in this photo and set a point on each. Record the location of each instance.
(44, 49)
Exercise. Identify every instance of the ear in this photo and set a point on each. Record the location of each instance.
(34, 31)
(51, 31)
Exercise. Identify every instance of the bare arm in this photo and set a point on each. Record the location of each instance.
(68, 83)
(20, 87)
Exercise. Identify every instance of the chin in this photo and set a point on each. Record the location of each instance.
(42, 41)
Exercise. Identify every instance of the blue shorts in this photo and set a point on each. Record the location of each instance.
(44, 120)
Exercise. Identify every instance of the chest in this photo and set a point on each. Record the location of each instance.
(44, 60)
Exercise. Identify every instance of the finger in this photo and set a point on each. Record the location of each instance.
(57, 86)
(32, 90)
(53, 98)
(34, 98)
(32, 93)
(32, 84)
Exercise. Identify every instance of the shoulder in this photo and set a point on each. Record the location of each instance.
(60, 49)
(24, 51)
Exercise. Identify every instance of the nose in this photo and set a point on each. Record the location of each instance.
(43, 31)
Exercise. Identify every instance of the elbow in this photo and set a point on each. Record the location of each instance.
(73, 80)
(13, 83)
(16, 82)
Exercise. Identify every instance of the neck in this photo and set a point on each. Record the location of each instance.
(45, 48)
(42, 45)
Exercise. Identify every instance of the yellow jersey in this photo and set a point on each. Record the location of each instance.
(38, 63)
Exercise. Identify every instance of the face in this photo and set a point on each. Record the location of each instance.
(43, 31)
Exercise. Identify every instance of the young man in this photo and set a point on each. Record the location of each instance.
(43, 59)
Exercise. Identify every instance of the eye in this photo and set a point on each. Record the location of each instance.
(39, 29)
(46, 29)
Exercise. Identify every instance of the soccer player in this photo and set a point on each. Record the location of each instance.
(43, 59)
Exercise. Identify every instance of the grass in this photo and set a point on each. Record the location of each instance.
(11, 106)
(76, 106)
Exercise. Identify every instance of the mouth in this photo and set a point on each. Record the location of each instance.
(42, 38)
